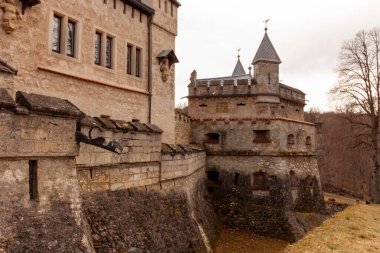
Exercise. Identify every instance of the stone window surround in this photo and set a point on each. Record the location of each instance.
(135, 47)
(63, 40)
(104, 34)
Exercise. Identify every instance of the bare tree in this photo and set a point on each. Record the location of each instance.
(358, 90)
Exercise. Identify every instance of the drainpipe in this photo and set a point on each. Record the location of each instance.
(150, 19)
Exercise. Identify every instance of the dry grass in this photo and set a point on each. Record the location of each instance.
(355, 230)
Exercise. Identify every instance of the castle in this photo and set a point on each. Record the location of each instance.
(260, 151)
(94, 158)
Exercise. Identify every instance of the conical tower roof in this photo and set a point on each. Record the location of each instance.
(239, 70)
(266, 51)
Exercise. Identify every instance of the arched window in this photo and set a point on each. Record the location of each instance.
(260, 181)
(308, 141)
(290, 139)
(212, 138)
(310, 182)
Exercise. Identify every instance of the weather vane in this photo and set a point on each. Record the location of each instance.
(239, 52)
(266, 23)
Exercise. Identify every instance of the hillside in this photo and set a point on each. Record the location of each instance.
(355, 230)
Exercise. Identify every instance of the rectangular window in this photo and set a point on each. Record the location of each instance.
(138, 62)
(98, 47)
(172, 9)
(70, 46)
(109, 45)
(262, 136)
(33, 182)
(104, 49)
(56, 36)
(166, 6)
(64, 37)
(159, 4)
(129, 59)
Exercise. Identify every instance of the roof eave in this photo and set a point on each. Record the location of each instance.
(140, 6)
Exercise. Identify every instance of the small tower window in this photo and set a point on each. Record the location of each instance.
(291, 139)
(268, 78)
(212, 138)
(293, 179)
(213, 176)
(260, 181)
(237, 175)
(308, 141)
(261, 136)
(33, 180)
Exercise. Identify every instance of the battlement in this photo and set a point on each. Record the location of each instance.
(241, 86)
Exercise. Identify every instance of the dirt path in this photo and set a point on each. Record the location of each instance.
(232, 241)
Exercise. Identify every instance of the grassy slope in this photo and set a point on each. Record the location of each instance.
(355, 230)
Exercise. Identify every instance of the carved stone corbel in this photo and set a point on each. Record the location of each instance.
(10, 15)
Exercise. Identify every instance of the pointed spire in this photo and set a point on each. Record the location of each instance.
(266, 51)
(239, 70)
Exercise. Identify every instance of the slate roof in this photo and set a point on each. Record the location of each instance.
(266, 52)
(239, 70)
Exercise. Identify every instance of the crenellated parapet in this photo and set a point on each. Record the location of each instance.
(241, 86)
(255, 136)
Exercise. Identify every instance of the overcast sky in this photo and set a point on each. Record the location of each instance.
(307, 35)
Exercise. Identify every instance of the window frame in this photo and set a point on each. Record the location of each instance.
(129, 59)
(134, 60)
(63, 35)
(262, 136)
(104, 38)
(109, 46)
(74, 23)
(56, 16)
(138, 60)
(98, 35)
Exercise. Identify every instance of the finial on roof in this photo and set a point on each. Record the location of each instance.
(266, 24)
(239, 70)
(266, 51)
(250, 70)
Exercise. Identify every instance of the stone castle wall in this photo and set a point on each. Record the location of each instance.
(182, 128)
(41, 148)
(95, 89)
(241, 134)
(83, 190)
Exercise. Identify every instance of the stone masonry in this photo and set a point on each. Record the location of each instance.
(148, 26)
(51, 181)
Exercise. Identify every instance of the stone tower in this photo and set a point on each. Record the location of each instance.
(266, 66)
